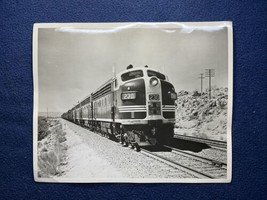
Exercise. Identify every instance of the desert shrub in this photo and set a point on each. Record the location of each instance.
(40, 144)
(64, 147)
(48, 162)
(61, 139)
(42, 128)
(44, 149)
(196, 94)
(51, 153)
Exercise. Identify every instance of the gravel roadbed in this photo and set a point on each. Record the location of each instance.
(128, 162)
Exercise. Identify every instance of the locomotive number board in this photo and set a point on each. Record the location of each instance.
(154, 97)
(126, 96)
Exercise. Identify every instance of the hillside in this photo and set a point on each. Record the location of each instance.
(200, 116)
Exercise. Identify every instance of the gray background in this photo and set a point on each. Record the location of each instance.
(74, 62)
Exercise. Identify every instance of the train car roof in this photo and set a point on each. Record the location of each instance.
(111, 79)
(103, 85)
(137, 68)
(120, 73)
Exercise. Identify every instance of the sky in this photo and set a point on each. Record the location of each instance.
(73, 62)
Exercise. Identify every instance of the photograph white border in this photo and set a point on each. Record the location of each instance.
(115, 26)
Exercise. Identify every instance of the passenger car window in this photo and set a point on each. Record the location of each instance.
(157, 74)
(132, 75)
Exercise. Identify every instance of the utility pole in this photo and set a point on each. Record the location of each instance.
(201, 82)
(114, 70)
(210, 73)
(46, 113)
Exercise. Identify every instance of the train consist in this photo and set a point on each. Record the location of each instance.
(137, 106)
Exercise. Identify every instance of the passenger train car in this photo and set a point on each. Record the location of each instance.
(137, 106)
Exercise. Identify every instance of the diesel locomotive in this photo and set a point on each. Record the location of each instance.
(136, 106)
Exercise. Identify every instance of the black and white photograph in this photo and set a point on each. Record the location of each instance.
(133, 102)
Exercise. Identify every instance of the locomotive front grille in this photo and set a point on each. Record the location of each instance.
(154, 108)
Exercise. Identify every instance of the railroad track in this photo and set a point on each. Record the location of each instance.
(199, 167)
(211, 161)
(221, 145)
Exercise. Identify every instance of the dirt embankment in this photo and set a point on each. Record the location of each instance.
(199, 116)
(51, 148)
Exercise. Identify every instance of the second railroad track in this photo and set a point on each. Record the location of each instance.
(198, 166)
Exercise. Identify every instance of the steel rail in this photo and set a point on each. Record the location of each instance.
(211, 161)
(177, 165)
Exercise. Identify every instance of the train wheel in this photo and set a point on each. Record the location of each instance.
(131, 146)
(125, 144)
(125, 140)
(121, 138)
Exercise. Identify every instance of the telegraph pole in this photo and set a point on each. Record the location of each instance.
(114, 70)
(201, 82)
(46, 113)
(210, 73)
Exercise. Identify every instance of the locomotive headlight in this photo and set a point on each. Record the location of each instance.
(154, 81)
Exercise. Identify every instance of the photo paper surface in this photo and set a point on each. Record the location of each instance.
(133, 102)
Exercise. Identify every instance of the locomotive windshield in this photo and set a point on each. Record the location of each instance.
(132, 75)
(157, 74)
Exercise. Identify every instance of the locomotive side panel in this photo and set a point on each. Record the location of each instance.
(84, 112)
(73, 115)
(168, 100)
(102, 107)
(102, 103)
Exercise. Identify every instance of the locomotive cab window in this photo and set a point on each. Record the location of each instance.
(157, 74)
(132, 75)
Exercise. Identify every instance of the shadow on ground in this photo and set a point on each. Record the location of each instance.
(184, 145)
(188, 145)
(181, 144)
(157, 148)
